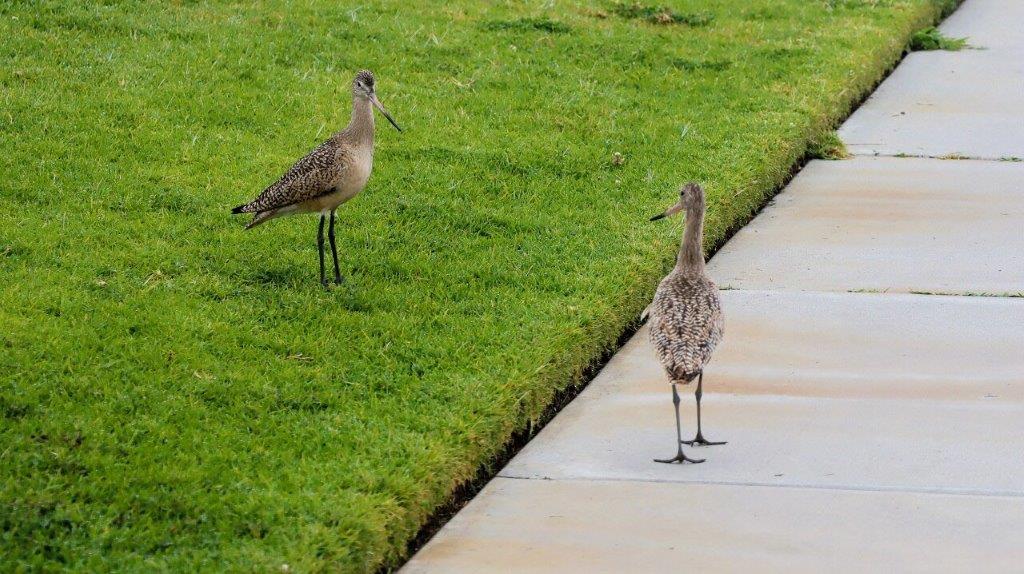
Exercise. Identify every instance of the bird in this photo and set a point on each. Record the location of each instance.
(333, 173)
(685, 317)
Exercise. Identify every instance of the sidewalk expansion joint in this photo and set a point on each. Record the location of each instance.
(837, 487)
(945, 157)
(912, 292)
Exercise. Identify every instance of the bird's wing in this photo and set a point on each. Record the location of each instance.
(313, 175)
(686, 325)
(714, 325)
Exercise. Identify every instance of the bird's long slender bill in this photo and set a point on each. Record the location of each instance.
(380, 106)
(668, 212)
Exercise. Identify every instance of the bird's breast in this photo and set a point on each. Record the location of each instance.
(358, 172)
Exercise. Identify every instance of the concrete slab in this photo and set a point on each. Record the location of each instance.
(893, 392)
(859, 346)
(592, 526)
(993, 26)
(886, 224)
(939, 103)
(850, 444)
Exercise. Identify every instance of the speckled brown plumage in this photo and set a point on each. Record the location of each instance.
(686, 324)
(325, 178)
(686, 314)
(317, 173)
(331, 174)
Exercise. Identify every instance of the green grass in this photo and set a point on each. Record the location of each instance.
(931, 38)
(827, 145)
(178, 394)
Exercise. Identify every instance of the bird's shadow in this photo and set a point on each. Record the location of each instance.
(291, 277)
(347, 294)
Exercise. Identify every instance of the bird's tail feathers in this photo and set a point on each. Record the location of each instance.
(684, 379)
(262, 217)
(258, 217)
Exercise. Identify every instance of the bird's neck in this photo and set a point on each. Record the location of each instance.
(691, 253)
(360, 127)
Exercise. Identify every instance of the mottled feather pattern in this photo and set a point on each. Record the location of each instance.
(365, 76)
(686, 323)
(317, 173)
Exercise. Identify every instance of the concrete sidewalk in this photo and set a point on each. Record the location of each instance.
(870, 383)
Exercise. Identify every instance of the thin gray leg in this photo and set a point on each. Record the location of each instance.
(320, 247)
(334, 251)
(679, 457)
(699, 440)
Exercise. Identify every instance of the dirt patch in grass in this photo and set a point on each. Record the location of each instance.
(692, 65)
(529, 25)
(663, 15)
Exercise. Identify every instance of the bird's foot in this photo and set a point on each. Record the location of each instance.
(680, 458)
(326, 284)
(699, 440)
(339, 280)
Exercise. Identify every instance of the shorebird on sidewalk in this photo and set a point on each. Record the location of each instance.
(686, 314)
(333, 173)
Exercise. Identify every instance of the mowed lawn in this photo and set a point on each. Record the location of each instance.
(176, 393)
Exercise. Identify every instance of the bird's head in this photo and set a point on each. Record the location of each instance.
(691, 196)
(364, 87)
(363, 84)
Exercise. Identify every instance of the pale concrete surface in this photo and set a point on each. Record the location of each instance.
(616, 527)
(939, 103)
(994, 26)
(886, 224)
(850, 444)
(843, 345)
(864, 346)
(868, 431)
(905, 399)
(965, 103)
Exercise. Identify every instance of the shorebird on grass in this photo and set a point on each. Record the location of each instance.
(686, 314)
(333, 173)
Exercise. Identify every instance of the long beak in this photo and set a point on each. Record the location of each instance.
(670, 211)
(380, 106)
